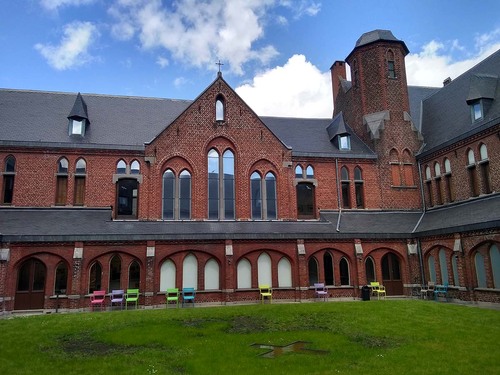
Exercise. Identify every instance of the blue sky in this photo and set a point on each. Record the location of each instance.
(276, 53)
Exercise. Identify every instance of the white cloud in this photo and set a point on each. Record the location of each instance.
(200, 32)
(297, 89)
(162, 61)
(435, 62)
(56, 4)
(302, 7)
(73, 48)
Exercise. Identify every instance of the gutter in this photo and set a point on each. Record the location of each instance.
(338, 193)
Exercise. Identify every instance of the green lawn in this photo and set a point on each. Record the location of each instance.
(375, 337)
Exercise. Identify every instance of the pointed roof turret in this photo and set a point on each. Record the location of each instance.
(79, 110)
(337, 127)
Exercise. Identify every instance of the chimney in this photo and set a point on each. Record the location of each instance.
(446, 81)
(337, 71)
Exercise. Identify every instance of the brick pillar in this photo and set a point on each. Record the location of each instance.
(302, 287)
(77, 294)
(150, 274)
(4, 261)
(229, 282)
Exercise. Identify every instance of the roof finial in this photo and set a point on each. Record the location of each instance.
(219, 63)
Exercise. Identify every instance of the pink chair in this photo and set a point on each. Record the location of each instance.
(98, 298)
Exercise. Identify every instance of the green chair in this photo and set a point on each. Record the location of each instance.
(172, 296)
(266, 292)
(132, 296)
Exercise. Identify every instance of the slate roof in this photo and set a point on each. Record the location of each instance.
(309, 137)
(377, 36)
(446, 116)
(41, 117)
(86, 224)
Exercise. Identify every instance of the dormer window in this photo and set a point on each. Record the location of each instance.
(78, 117)
(344, 142)
(476, 111)
(77, 127)
(482, 93)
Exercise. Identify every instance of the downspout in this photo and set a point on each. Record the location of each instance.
(419, 246)
(338, 193)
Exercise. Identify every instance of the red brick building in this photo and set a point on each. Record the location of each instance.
(108, 192)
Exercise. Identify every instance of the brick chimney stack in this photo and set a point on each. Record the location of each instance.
(338, 71)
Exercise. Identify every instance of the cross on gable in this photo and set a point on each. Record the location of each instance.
(220, 64)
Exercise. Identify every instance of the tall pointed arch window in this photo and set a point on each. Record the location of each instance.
(212, 275)
(328, 268)
(495, 265)
(176, 195)
(437, 173)
(408, 168)
(244, 270)
(450, 192)
(263, 196)
(345, 187)
(344, 272)
(305, 186)
(299, 172)
(370, 270)
(391, 65)
(256, 196)
(80, 174)
(121, 167)
(221, 185)
(471, 169)
(62, 182)
(309, 171)
(484, 166)
(480, 270)
(284, 273)
(313, 270)
(61, 279)
(8, 180)
(115, 272)
(95, 275)
(168, 275)
(220, 109)
(270, 193)
(443, 266)
(358, 187)
(428, 185)
(394, 163)
(135, 167)
(134, 275)
(264, 270)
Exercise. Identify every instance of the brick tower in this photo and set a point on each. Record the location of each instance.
(376, 106)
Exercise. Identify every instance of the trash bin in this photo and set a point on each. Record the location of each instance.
(365, 293)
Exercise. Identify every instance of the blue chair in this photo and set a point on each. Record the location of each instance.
(188, 295)
(441, 291)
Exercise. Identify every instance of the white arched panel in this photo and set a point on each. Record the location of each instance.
(211, 275)
(244, 271)
(190, 272)
(284, 273)
(167, 275)
(264, 270)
